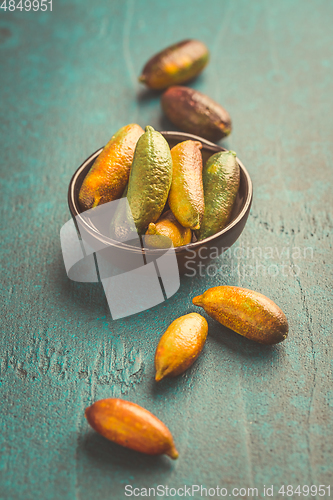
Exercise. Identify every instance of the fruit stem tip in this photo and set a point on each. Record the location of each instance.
(152, 228)
(158, 377)
(172, 453)
(197, 301)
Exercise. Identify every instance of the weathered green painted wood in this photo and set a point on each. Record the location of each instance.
(244, 415)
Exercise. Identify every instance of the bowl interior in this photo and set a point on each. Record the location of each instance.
(240, 208)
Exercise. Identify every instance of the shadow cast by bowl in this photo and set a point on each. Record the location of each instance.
(87, 297)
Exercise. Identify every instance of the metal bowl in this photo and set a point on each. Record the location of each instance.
(189, 256)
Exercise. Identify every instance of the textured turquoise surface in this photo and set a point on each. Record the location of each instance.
(244, 415)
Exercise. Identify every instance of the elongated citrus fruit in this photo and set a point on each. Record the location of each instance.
(130, 425)
(175, 64)
(150, 178)
(186, 197)
(246, 312)
(107, 178)
(180, 345)
(196, 113)
(220, 177)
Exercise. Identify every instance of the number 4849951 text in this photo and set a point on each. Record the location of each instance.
(26, 5)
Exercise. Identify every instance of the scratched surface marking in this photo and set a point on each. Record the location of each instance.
(243, 415)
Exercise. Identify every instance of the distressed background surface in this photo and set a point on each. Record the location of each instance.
(244, 415)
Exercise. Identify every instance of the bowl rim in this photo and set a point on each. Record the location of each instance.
(172, 135)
